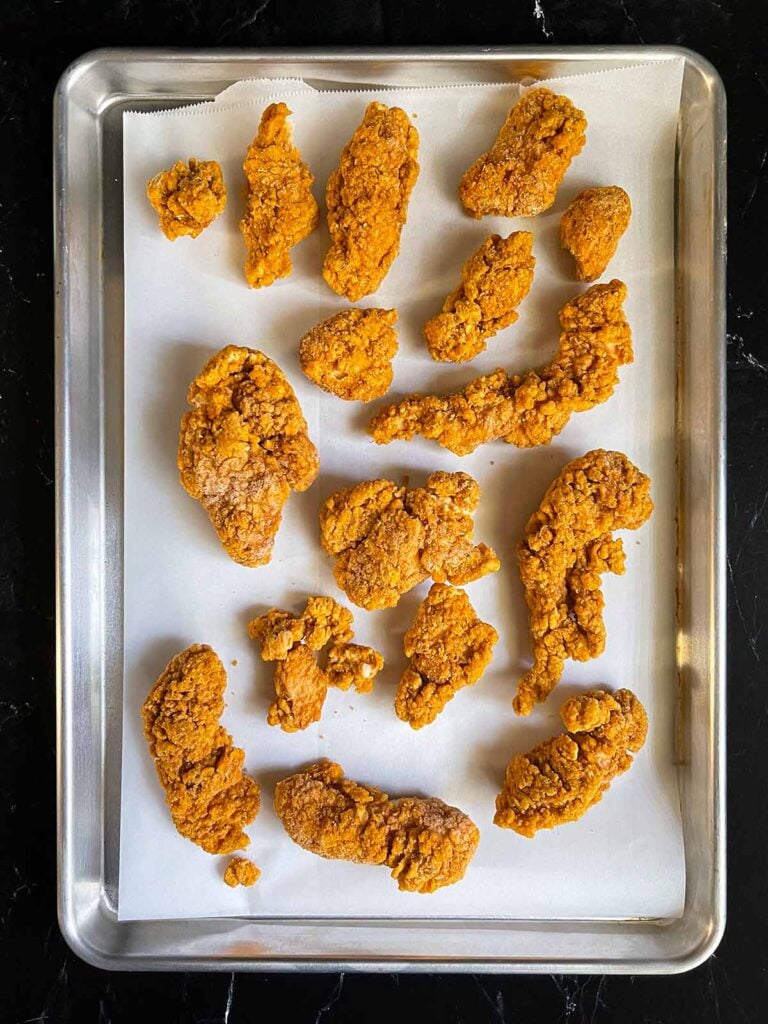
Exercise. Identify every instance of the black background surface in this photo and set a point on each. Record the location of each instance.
(40, 980)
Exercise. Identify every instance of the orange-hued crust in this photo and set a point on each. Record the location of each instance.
(591, 227)
(187, 197)
(350, 354)
(241, 871)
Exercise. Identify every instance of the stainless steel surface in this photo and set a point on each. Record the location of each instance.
(90, 100)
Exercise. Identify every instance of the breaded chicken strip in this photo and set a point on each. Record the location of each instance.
(591, 227)
(201, 772)
(561, 778)
(367, 198)
(187, 197)
(494, 281)
(243, 449)
(281, 209)
(351, 353)
(449, 648)
(426, 843)
(567, 545)
(241, 871)
(520, 173)
(387, 539)
(532, 408)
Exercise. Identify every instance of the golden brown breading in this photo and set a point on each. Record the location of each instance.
(300, 690)
(187, 198)
(591, 227)
(209, 797)
(351, 353)
(243, 449)
(561, 778)
(387, 539)
(281, 209)
(494, 281)
(241, 871)
(520, 173)
(449, 648)
(532, 408)
(566, 546)
(426, 843)
(353, 665)
(322, 620)
(367, 198)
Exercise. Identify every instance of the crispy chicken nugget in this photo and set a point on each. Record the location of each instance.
(281, 209)
(351, 353)
(367, 198)
(561, 778)
(187, 197)
(566, 547)
(494, 281)
(520, 173)
(426, 843)
(592, 226)
(241, 871)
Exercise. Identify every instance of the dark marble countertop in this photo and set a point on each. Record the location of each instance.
(41, 980)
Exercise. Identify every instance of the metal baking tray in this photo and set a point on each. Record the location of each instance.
(89, 103)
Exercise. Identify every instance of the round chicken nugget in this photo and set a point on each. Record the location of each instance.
(351, 353)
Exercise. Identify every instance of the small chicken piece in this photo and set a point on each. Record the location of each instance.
(209, 797)
(591, 227)
(281, 209)
(449, 648)
(367, 199)
(187, 197)
(387, 539)
(566, 547)
(494, 281)
(243, 449)
(241, 871)
(353, 665)
(322, 620)
(529, 409)
(561, 778)
(520, 173)
(351, 353)
(426, 843)
(300, 690)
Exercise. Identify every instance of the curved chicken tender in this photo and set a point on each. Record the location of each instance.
(426, 843)
(187, 198)
(561, 778)
(281, 209)
(532, 408)
(241, 871)
(591, 227)
(449, 648)
(494, 281)
(520, 173)
(243, 449)
(367, 198)
(351, 353)
(201, 772)
(566, 547)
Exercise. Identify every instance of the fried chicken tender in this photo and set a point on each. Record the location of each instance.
(591, 227)
(187, 197)
(367, 199)
(566, 547)
(241, 871)
(209, 797)
(528, 409)
(561, 778)
(281, 209)
(351, 353)
(520, 173)
(449, 648)
(494, 281)
(426, 843)
(387, 539)
(243, 449)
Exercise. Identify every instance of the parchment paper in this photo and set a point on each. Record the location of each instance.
(184, 301)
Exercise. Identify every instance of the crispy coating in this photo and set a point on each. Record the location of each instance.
(187, 197)
(300, 690)
(243, 449)
(532, 408)
(322, 621)
(241, 871)
(351, 353)
(494, 281)
(426, 843)
(561, 778)
(353, 665)
(449, 647)
(367, 198)
(567, 545)
(520, 173)
(591, 227)
(387, 539)
(209, 797)
(281, 209)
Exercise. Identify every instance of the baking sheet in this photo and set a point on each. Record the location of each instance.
(186, 300)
